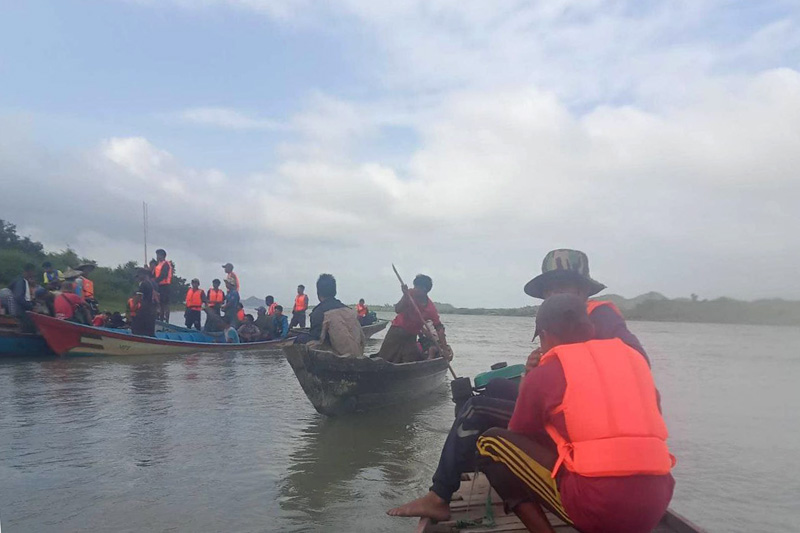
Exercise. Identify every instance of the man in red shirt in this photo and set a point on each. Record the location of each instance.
(70, 306)
(400, 344)
(597, 457)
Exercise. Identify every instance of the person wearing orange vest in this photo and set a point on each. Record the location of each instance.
(133, 306)
(230, 276)
(240, 315)
(271, 305)
(563, 272)
(605, 464)
(362, 309)
(195, 298)
(163, 277)
(215, 297)
(299, 309)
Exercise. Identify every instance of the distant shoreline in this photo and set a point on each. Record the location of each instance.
(654, 307)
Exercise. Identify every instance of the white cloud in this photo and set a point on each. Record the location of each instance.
(644, 134)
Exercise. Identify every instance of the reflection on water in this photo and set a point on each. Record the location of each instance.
(229, 442)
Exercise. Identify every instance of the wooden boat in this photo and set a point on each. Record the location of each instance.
(476, 507)
(337, 384)
(15, 343)
(69, 338)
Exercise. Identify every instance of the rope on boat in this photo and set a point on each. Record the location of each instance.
(487, 520)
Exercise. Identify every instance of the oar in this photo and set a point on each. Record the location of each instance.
(422, 318)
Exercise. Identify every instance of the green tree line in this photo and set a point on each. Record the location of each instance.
(112, 286)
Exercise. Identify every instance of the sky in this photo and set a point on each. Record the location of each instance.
(461, 139)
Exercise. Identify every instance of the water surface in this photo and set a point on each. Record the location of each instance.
(229, 442)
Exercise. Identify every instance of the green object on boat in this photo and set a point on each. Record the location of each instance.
(506, 372)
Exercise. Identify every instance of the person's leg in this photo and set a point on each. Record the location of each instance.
(458, 455)
(519, 470)
(301, 320)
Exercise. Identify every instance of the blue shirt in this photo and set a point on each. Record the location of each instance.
(231, 335)
(232, 301)
(280, 327)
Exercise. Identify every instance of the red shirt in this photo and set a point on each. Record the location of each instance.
(631, 503)
(408, 319)
(65, 304)
(98, 321)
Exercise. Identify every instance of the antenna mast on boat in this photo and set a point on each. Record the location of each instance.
(144, 223)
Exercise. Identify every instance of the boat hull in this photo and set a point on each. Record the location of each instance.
(337, 385)
(68, 338)
(15, 343)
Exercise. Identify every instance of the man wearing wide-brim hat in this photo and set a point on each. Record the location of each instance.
(563, 271)
(567, 271)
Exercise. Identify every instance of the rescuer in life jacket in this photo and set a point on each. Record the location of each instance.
(162, 274)
(586, 440)
(195, 298)
(215, 297)
(300, 307)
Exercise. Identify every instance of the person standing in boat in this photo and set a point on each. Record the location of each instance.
(144, 302)
(563, 272)
(299, 309)
(231, 306)
(215, 297)
(163, 278)
(231, 276)
(400, 344)
(195, 298)
(586, 439)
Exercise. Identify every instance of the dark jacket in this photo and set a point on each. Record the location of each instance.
(318, 314)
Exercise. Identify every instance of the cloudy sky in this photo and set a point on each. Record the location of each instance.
(459, 138)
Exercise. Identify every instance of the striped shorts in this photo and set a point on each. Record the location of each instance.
(519, 470)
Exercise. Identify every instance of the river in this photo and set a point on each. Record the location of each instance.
(230, 442)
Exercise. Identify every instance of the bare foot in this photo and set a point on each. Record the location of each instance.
(429, 506)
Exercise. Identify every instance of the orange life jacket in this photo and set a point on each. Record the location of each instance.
(157, 272)
(215, 297)
(591, 305)
(240, 315)
(611, 412)
(132, 308)
(194, 299)
(271, 308)
(361, 310)
(88, 288)
(232, 276)
(300, 303)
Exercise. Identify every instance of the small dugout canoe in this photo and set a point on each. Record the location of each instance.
(341, 384)
(69, 338)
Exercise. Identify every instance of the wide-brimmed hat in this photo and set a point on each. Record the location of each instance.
(86, 267)
(563, 265)
(72, 274)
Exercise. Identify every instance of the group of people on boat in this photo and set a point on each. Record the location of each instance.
(67, 295)
(582, 435)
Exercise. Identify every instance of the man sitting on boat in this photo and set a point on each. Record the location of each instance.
(586, 440)
(334, 326)
(400, 344)
(230, 334)
(19, 298)
(563, 272)
(280, 324)
(70, 306)
(249, 332)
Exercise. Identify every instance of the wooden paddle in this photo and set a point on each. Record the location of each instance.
(424, 323)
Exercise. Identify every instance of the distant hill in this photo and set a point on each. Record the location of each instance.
(253, 302)
(626, 304)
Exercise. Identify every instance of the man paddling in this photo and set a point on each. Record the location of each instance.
(400, 343)
(563, 272)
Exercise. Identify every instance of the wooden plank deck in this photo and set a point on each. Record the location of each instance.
(469, 503)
